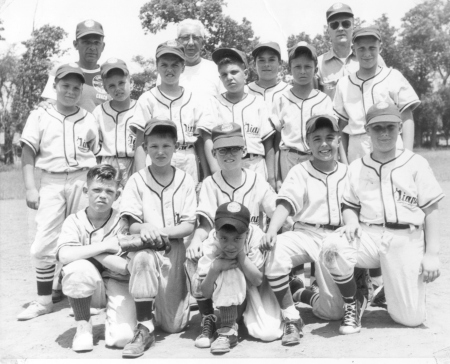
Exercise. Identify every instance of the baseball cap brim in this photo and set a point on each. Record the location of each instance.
(311, 124)
(388, 118)
(153, 123)
(231, 141)
(65, 73)
(170, 51)
(366, 34)
(221, 53)
(106, 69)
(270, 45)
(310, 49)
(240, 226)
(89, 32)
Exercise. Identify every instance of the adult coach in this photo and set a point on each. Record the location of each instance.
(90, 45)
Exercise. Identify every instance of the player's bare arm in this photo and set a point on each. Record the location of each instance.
(280, 215)
(179, 231)
(28, 162)
(200, 151)
(408, 128)
(269, 151)
(149, 234)
(430, 262)
(218, 266)
(251, 272)
(69, 254)
(344, 137)
(113, 262)
(195, 250)
(139, 154)
(208, 145)
(351, 228)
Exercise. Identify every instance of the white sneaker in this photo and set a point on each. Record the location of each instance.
(83, 340)
(33, 310)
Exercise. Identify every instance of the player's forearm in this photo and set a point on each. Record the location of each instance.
(342, 154)
(350, 216)
(113, 262)
(202, 231)
(28, 162)
(408, 129)
(251, 272)
(276, 148)
(270, 159)
(208, 146)
(432, 229)
(69, 254)
(200, 150)
(209, 281)
(179, 231)
(279, 216)
(344, 136)
(139, 154)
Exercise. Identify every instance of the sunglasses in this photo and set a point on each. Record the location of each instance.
(345, 24)
(232, 150)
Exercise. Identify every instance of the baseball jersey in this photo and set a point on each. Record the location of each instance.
(331, 69)
(116, 137)
(255, 194)
(185, 111)
(394, 192)
(93, 92)
(77, 230)
(290, 114)
(315, 196)
(146, 200)
(268, 93)
(62, 143)
(355, 96)
(250, 113)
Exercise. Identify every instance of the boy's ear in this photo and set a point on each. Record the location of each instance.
(400, 127)
(177, 145)
(118, 193)
(75, 44)
(144, 146)
(54, 85)
(85, 189)
(213, 152)
(246, 73)
(244, 152)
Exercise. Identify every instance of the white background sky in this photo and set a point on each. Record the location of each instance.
(125, 38)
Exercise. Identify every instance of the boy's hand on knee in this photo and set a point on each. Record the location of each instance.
(151, 235)
(195, 250)
(268, 240)
(430, 267)
(351, 231)
(32, 197)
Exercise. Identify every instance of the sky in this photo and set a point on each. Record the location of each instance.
(124, 37)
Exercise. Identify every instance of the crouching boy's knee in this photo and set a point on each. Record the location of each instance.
(80, 279)
(118, 335)
(144, 273)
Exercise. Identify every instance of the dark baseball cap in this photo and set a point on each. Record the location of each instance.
(302, 45)
(221, 53)
(371, 30)
(269, 45)
(69, 68)
(171, 47)
(311, 124)
(234, 214)
(227, 135)
(383, 112)
(113, 63)
(89, 27)
(339, 8)
(153, 123)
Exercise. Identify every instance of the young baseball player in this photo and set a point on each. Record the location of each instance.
(114, 117)
(94, 272)
(230, 183)
(311, 194)
(390, 208)
(159, 200)
(238, 106)
(372, 83)
(230, 273)
(173, 102)
(295, 105)
(61, 141)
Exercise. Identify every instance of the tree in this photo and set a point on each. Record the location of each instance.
(145, 80)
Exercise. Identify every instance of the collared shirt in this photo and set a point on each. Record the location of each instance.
(315, 196)
(254, 193)
(355, 96)
(290, 114)
(396, 191)
(250, 113)
(62, 143)
(116, 137)
(268, 93)
(93, 92)
(331, 69)
(186, 111)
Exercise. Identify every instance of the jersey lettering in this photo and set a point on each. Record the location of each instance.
(403, 197)
(250, 129)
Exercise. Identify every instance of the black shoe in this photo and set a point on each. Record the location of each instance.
(379, 298)
(140, 342)
(57, 295)
(314, 287)
(295, 284)
(292, 332)
(351, 323)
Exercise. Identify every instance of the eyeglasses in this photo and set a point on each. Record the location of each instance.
(345, 24)
(187, 38)
(232, 150)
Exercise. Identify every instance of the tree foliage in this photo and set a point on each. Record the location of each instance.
(144, 80)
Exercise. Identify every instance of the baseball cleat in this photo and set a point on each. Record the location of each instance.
(227, 339)
(205, 339)
(33, 310)
(353, 311)
(57, 295)
(292, 332)
(140, 342)
(83, 340)
(379, 298)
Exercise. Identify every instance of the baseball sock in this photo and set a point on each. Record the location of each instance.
(81, 308)
(280, 287)
(313, 273)
(206, 307)
(228, 315)
(44, 277)
(306, 296)
(347, 286)
(144, 310)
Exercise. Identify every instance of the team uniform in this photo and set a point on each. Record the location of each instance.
(262, 312)
(268, 93)
(315, 198)
(355, 96)
(117, 141)
(147, 201)
(391, 197)
(93, 92)
(185, 111)
(83, 279)
(289, 115)
(251, 114)
(65, 148)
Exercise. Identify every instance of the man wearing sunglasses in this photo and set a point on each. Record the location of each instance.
(339, 61)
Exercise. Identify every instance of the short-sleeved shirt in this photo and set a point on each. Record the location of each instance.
(394, 192)
(255, 194)
(250, 113)
(290, 114)
(62, 143)
(116, 137)
(147, 201)
(93, 92)
(77, 230)
(315, 196)
(211, 250)
(355, 96)
(186, 111)
(268, 94)
(331, 69)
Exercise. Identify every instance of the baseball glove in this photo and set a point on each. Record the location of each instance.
(134, 243)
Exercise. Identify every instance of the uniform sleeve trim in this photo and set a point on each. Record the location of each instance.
(24, 141)
(414, 103)
(205, 215)
(350, 204)
(204, 128)
(127, 213)
(340, 115)
(433, 201)
(268, 135)
(288, 200)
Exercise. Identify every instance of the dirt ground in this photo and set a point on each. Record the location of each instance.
(50, 336)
